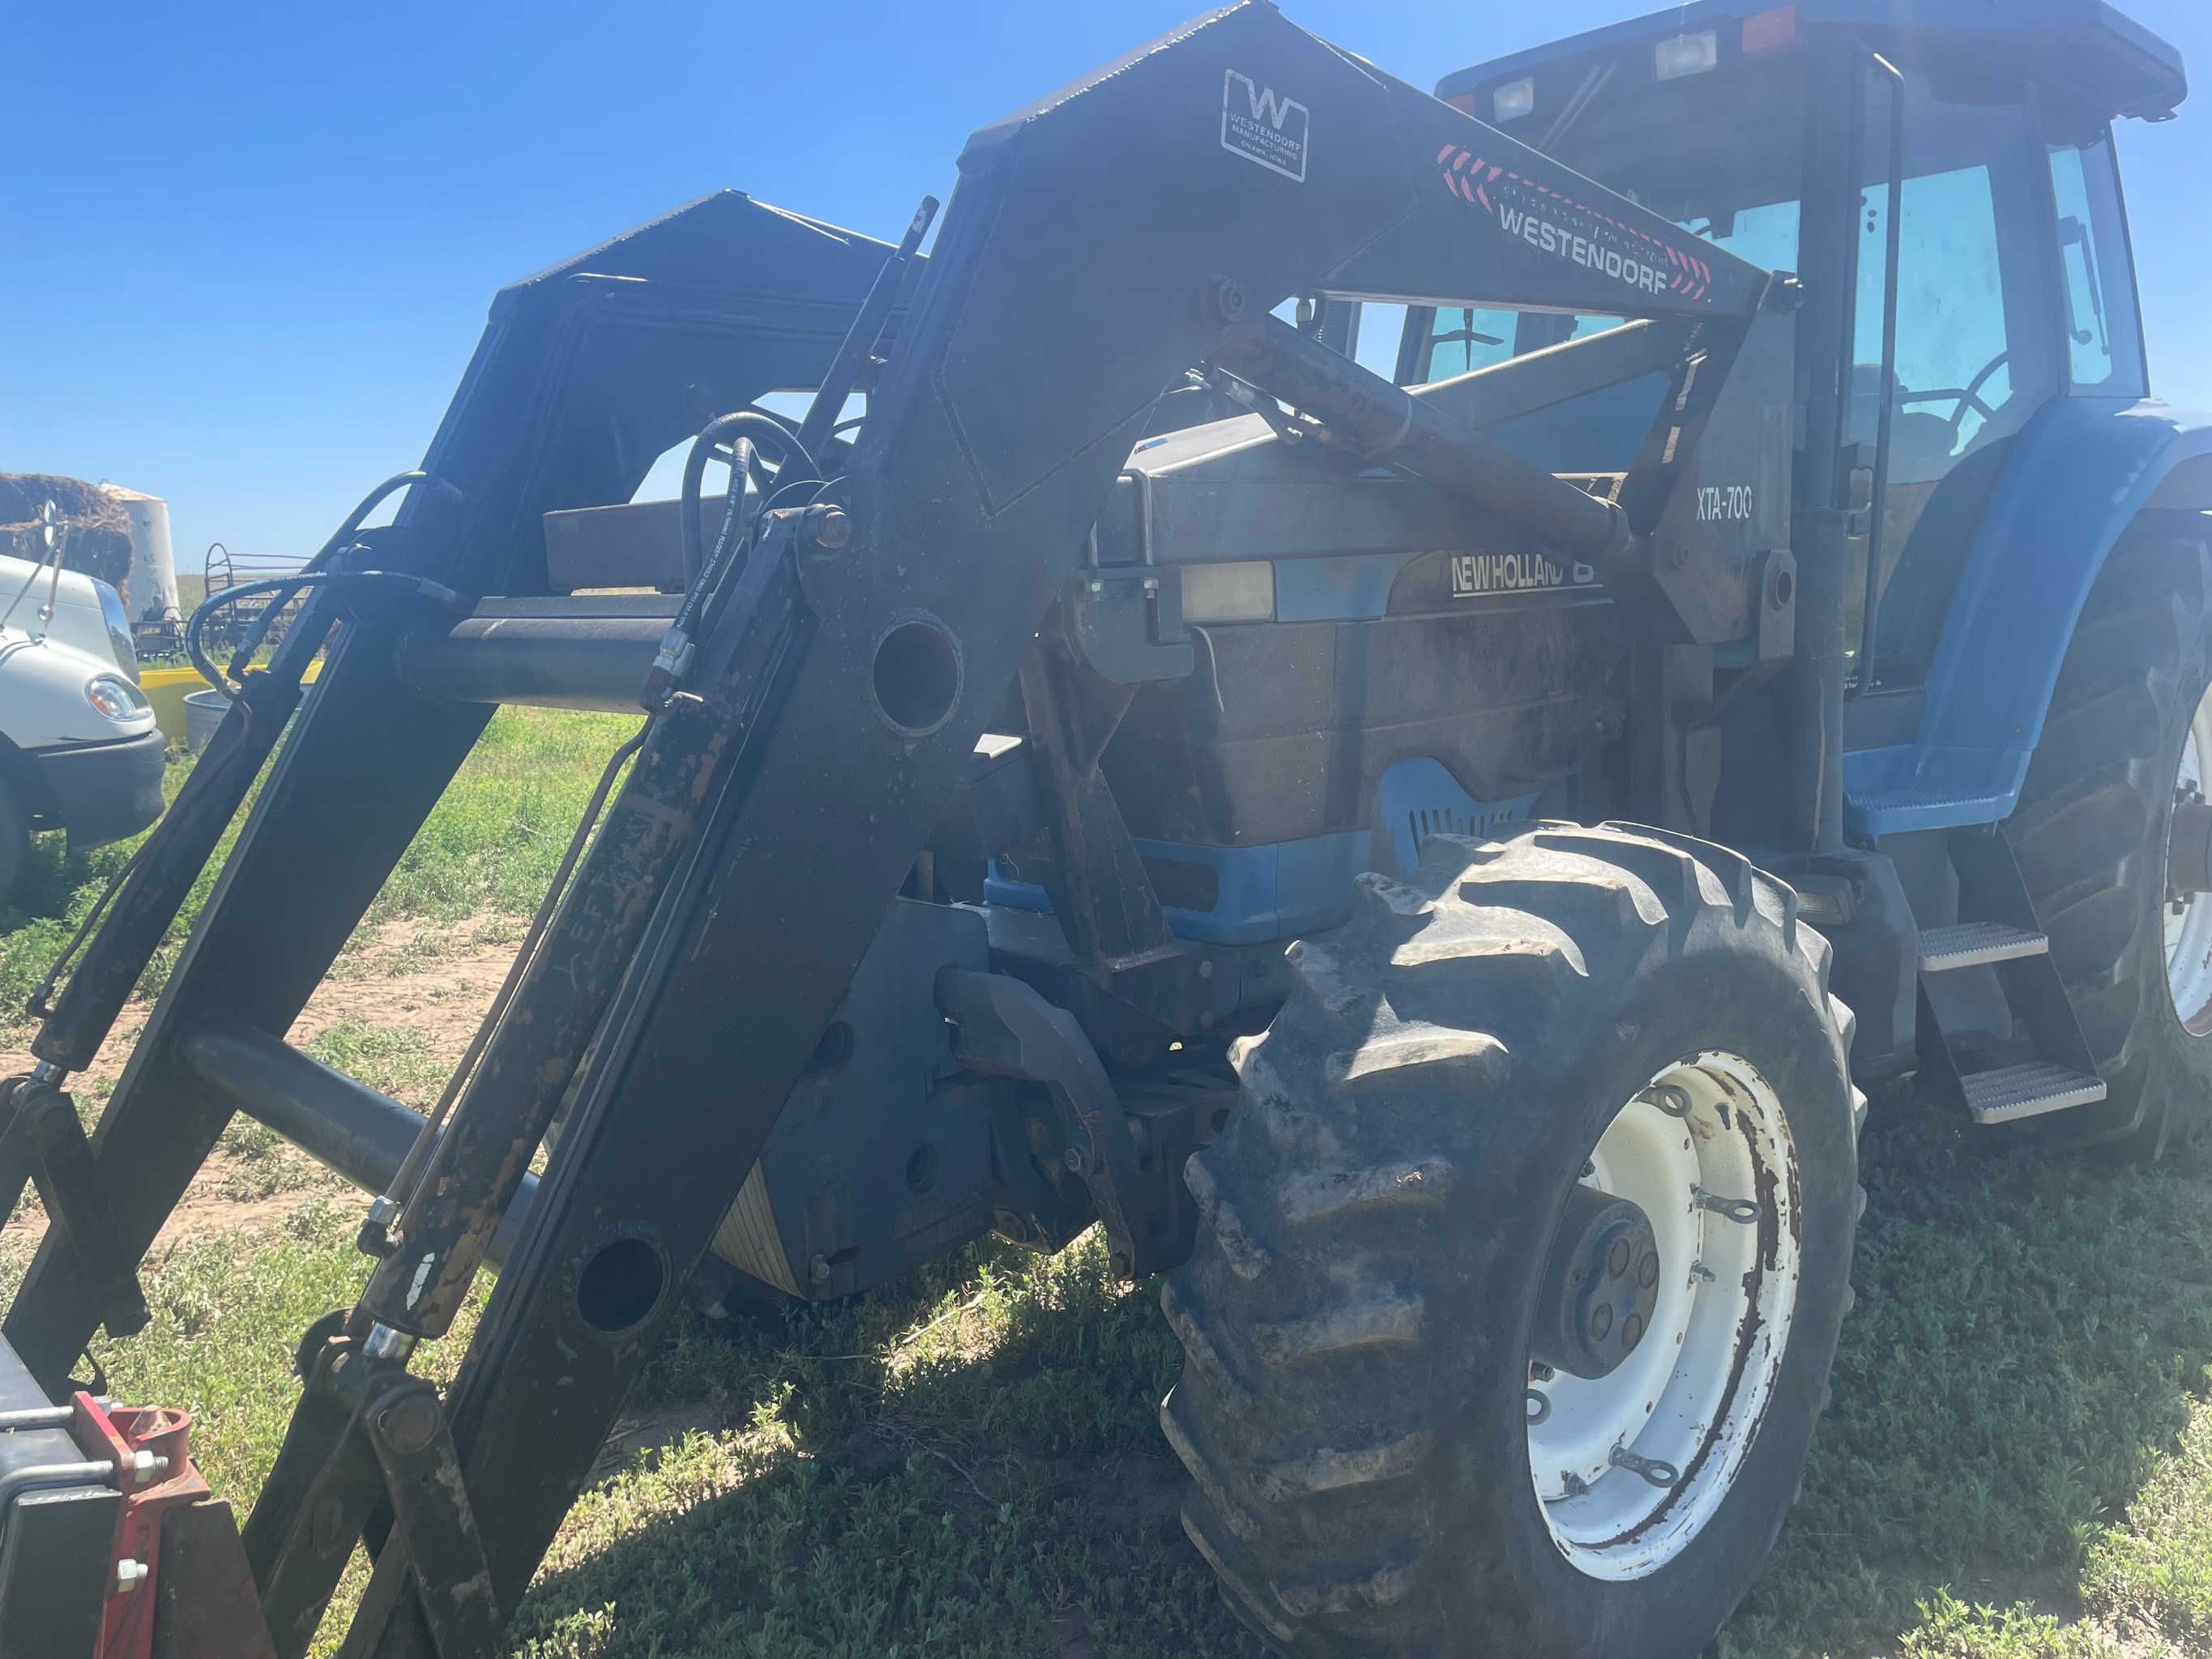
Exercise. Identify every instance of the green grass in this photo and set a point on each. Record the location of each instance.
(2017, 1464)
(493, 842)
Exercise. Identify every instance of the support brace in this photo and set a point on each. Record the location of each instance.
(366, 1433)
(42, 1140)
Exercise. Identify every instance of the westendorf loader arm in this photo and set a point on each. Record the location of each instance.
(1100, 243)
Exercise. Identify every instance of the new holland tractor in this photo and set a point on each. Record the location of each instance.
(1421, 861)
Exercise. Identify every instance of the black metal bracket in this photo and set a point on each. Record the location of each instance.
(1099, 890)
(1008, 1030)
(367, 1434)
(43, 1141)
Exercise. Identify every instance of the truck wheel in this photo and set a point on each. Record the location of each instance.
(2129, 732)
(15, 844)
(1524, 1256)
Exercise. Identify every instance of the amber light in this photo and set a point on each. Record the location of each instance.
(1770, 31)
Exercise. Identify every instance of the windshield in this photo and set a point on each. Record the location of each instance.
(1718, 154)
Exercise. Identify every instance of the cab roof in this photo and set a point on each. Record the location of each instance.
(2084, 47)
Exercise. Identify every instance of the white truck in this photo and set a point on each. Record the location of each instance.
(79, 749)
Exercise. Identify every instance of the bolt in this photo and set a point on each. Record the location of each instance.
(130, 1574)
(1096, 589)
(831, 526)
(1224, 301)
(820, 1270)
(1205, 970)
(1072, 1160)
(410, 1425)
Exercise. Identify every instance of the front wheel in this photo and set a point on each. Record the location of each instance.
(1524, 1256)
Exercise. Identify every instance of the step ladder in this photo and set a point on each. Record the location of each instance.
(1997, 1035)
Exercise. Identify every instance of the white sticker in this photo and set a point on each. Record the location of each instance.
(1261, 126)
(422, 1277)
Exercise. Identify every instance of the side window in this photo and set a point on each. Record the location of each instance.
(2104, 343)
(1461, 340)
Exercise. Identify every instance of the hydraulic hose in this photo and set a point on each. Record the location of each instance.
(767, 432)
(341, 537)
(285, 589)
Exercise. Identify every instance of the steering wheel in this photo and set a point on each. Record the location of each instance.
(1968, 397)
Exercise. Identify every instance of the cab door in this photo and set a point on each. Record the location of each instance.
(1955, 343)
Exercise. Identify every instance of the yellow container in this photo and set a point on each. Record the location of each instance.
(166, 688)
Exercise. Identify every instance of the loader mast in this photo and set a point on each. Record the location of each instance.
(877, 612)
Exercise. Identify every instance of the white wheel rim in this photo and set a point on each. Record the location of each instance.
(1694, 1391)
(2189, 929)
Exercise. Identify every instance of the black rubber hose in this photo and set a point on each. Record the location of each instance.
(342, 536)
(766, 432)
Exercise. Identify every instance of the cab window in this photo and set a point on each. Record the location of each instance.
(2103, 340)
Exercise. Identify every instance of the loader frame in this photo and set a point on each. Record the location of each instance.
(835, 691)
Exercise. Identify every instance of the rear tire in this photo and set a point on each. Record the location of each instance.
(2090, 834)
(1378, 1216)
(15, 844)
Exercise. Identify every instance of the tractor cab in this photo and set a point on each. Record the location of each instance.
(1946, 192)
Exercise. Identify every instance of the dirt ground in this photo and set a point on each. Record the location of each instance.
(434, 980)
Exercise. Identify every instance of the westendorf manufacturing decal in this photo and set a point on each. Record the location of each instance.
(1552, 223)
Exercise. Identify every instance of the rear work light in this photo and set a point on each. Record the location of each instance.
(1687, 54)
(1514, 99)
(1770, 31)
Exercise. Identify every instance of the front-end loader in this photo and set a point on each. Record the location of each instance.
(1422, 861)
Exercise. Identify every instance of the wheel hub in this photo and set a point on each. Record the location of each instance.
(1684, 1220)
(1600, 1287)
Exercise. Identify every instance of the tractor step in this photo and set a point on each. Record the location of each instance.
(2012, 1093)
(1972, 944)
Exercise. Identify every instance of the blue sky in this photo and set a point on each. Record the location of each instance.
(246, 249)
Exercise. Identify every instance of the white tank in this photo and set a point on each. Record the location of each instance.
(153, 564)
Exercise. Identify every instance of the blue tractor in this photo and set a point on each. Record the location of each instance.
(1424, 861)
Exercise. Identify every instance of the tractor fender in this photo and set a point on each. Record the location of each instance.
(2085, 468)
